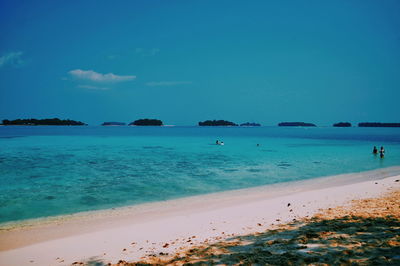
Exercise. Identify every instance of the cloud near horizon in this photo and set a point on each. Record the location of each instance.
(90, 87)
(166, 83)
(91, 75)
(12, 59)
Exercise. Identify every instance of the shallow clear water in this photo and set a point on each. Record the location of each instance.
(47, 171)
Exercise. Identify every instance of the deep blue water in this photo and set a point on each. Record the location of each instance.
(46, 171)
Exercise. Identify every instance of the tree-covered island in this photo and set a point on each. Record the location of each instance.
(378, 124)
(146, 122)
(113, 124)
(342, 124)
(217, 123)
(42, 122)
(248, 124)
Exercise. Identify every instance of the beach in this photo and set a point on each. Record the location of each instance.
(164, 228)
(201, 132)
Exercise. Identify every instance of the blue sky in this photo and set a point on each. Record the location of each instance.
(187, 61)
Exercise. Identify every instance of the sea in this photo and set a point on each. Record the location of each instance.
(58, 170)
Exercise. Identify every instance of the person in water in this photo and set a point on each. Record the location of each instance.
(375, 150)
(382, 152)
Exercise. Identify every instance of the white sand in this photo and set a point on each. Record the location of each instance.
(107, 236)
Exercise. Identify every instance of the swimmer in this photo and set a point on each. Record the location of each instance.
(382, 152)
(375, 150)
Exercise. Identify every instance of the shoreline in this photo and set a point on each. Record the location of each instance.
(218, 199)
(108, 234)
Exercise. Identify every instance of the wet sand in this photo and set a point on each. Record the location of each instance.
(175, 227)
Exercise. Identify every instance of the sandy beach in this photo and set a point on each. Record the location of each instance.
(206, 132)
(159, 232)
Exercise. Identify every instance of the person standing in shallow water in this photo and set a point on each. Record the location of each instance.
(375, 151)
(382, 152)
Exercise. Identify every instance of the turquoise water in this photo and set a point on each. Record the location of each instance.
(46, 171)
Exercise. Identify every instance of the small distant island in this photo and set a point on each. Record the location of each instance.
(248, 124)
(342, 124)
(217, 123)
(113, 124)
(378, 124)
(42, 122)
(296, 124)
(147, 122)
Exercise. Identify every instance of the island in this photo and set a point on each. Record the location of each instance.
(147, 122)
(113, 124)
(342, 124)
(378, 124)
(296, 124)
(42, 122)
(248, 124)
(217, 123)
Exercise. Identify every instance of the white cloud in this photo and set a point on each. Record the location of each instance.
(12, 59)
(167, 83)
(90, 87)
(91, 75)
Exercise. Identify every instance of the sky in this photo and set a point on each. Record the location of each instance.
(188, 61)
